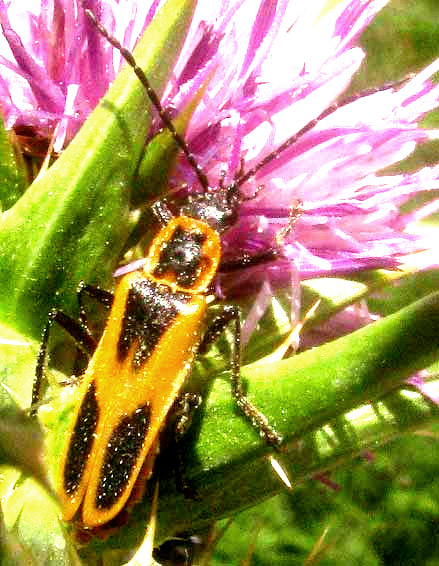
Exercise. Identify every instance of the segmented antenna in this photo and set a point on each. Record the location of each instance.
(127, 55)
(310, 125)
(179, 140)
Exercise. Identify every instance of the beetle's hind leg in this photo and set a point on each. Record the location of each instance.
(78, 329)
(230, 314)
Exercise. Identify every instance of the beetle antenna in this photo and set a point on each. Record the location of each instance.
(310, 125)
(155, 101)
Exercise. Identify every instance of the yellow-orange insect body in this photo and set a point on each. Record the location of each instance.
(142, 359)
(155, 328)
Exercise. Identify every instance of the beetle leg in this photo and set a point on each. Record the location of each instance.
(80, 334)
(101, 295)
(78, 329)
(230, 314)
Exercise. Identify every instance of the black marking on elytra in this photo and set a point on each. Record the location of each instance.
(150, 310)
(182, 256)
(81, 441)
(121, 455)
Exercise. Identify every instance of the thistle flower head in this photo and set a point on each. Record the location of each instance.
(272, 77)
(270, 68)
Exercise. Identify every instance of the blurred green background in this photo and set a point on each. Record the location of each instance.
(385, 511)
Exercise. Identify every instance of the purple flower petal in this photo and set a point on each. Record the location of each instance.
(270, 68)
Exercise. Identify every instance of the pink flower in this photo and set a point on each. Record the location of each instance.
(273, 77)
(54, 68)
(271, 67)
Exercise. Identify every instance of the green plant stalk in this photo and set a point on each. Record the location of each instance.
(73, 221)
(308, 399)
(306, 391)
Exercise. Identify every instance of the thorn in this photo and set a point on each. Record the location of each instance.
(282, 474)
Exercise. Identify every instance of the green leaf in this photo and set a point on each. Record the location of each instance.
(330, 403)
(33, 531)
(152, 176)
(21, 444)
(228, 466)
(73, 221)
